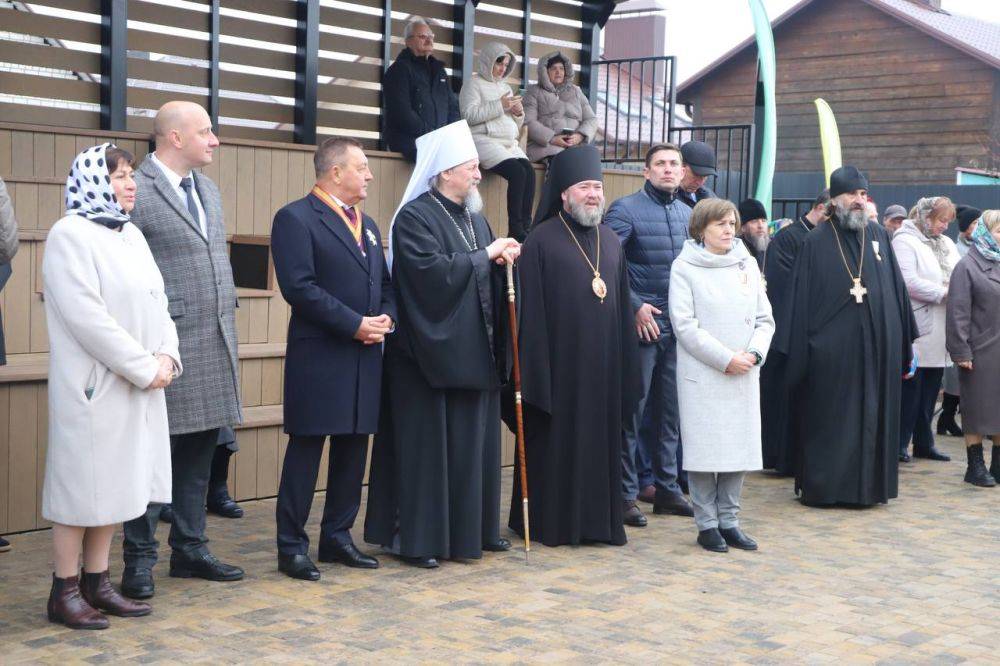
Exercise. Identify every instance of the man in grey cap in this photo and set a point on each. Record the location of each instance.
(893, 218)
(699, 164)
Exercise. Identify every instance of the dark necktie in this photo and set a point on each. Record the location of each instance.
(187, 184)
(349, 212)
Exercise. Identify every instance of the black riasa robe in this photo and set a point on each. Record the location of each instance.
(776, 435)
(580, 378)
(845, 363)
(435, 469)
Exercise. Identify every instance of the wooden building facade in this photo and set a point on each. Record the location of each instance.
(916, 91)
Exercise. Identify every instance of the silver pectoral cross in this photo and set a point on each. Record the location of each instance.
(858, 291)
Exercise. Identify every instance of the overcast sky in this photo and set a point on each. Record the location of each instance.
(700, 31)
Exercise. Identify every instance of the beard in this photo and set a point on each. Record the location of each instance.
(584, 216)
(758, 243)
(473, 200)
(854, 219)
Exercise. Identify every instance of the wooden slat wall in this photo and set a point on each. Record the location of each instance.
(161, 37)
(255, 181)
(52, 24)
(909, 107)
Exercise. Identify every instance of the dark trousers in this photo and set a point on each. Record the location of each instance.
(191, 461)
(916, 409)
(345, 473)
(218, 481)
(658, 365)
(520, 177)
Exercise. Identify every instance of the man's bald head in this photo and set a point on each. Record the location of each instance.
(184, 137)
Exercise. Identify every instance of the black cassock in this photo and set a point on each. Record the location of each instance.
(435, 473)
(776, 435)
(579, 378)
(845, 363)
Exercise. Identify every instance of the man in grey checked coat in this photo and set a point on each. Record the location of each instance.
(180, 212)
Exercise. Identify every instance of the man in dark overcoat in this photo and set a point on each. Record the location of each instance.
(331, 270)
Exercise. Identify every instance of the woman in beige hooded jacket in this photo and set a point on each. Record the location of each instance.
(556, 111)
(495, 116)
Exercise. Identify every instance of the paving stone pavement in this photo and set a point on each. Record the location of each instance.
(917, 581)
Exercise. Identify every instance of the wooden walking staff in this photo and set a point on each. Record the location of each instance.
(512, 311)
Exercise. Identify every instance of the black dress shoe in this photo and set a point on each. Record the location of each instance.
(167, 514)
(949, 427)
(420, 562)
(674, 505)
(297, 566)
(904, 456)
(137, 582)
(346, 554)
(632, 515)
(221, 504)
(710, 539)
(735, 538)
(932, 454)
(498, 547)
(203, 565)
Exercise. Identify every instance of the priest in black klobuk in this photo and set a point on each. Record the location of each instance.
(848, 346)
(776, 434)
(579, 360)
(434, 489)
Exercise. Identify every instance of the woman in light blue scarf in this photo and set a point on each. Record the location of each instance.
(985, 239)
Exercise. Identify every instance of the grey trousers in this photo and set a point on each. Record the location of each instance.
(658, 365)
(716, 498)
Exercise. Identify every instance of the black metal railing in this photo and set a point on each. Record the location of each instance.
(733, 146)
(634, 99)
(791, 207)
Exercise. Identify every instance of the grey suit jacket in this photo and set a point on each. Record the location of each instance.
(202, 299)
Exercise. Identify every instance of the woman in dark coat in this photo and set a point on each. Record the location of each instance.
(973, 339)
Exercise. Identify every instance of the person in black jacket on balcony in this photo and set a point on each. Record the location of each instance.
(418, 96)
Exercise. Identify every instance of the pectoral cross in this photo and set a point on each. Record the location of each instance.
(858, 291)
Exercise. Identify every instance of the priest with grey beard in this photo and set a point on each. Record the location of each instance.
(848, 343)
(754, 229)
(579, 360)
(434, 490)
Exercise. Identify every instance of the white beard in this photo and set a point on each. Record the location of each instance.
(758, 243)
(586, 218)
(473, 200)
(855, 220)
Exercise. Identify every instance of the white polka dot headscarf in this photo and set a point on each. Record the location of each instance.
(88, 189)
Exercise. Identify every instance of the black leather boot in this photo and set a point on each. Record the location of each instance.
(946, 424)
(995, 461)
(219, 501)
(976, 472)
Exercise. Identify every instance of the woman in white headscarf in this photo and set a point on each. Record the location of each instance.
(926, 259)
(113, 349)
(495, 116)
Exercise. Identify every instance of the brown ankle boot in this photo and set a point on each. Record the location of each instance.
(67, 606)
(99, 593)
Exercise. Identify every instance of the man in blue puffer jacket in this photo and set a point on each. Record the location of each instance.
(652, 225)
